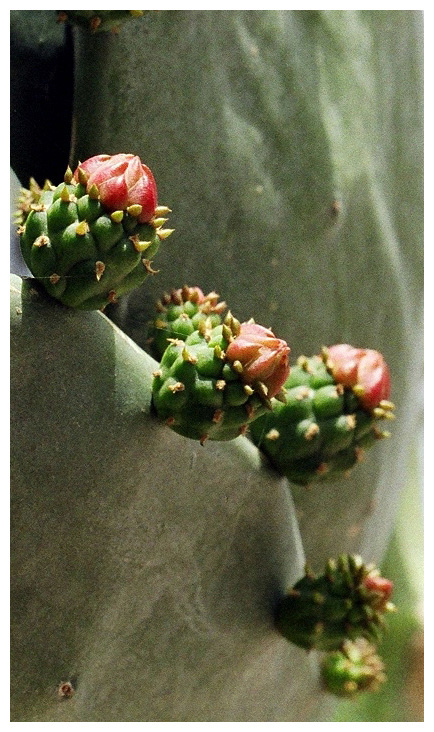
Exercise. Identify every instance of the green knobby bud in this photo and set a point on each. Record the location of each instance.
(348, 601)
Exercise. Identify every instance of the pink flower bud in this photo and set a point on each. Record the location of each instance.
(122, 180)
(363, 368)
(381, 587)
(264, 357)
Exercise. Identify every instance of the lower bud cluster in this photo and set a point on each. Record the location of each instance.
(340, 612)
(355, 668)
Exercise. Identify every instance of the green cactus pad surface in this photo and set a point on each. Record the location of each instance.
(321, 431)
(180, 313)
(354, 669)
(84, 256)
(324, 611)
(199, 393)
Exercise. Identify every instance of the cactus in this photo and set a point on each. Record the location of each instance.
(290, 143)
(347, 601)
(328, 419)
(180, 313)
(219, 380)
(91, 238)
(355, 668)
(98, 21)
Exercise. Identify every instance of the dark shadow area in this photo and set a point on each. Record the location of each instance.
(42, 79)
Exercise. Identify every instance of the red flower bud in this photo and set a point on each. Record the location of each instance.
(381, 587)
(264, 357)
(122, 180)
(363, 368)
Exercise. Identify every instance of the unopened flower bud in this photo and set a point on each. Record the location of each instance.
(264, 358)
(122, 181)
(362, 368)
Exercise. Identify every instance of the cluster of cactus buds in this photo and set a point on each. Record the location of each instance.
(220, 379)
(180, 313)
(92, 238)
(348, 601)
(97, 21)
(355, 668)
(334, 402)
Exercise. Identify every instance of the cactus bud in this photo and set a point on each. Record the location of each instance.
(354, 600)
(264, 357)
(362, 369)
(324, 424)
(83, 251)
(353, 669)
(123, 182)
(381, 590)
(218, 403)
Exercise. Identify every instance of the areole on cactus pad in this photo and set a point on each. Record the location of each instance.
(91, 238)
(333, 404)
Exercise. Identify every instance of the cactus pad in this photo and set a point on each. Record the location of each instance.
(322, 430)
(347, 602)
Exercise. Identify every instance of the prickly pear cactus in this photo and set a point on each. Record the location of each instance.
(180, 313)
(323, 428)
(289, 143)
(346, 602)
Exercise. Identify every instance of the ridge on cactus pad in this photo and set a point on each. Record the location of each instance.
(329, 419)
(180, 313)
(86, 244)
(217, 381)
(355, 668)
(348, 601)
